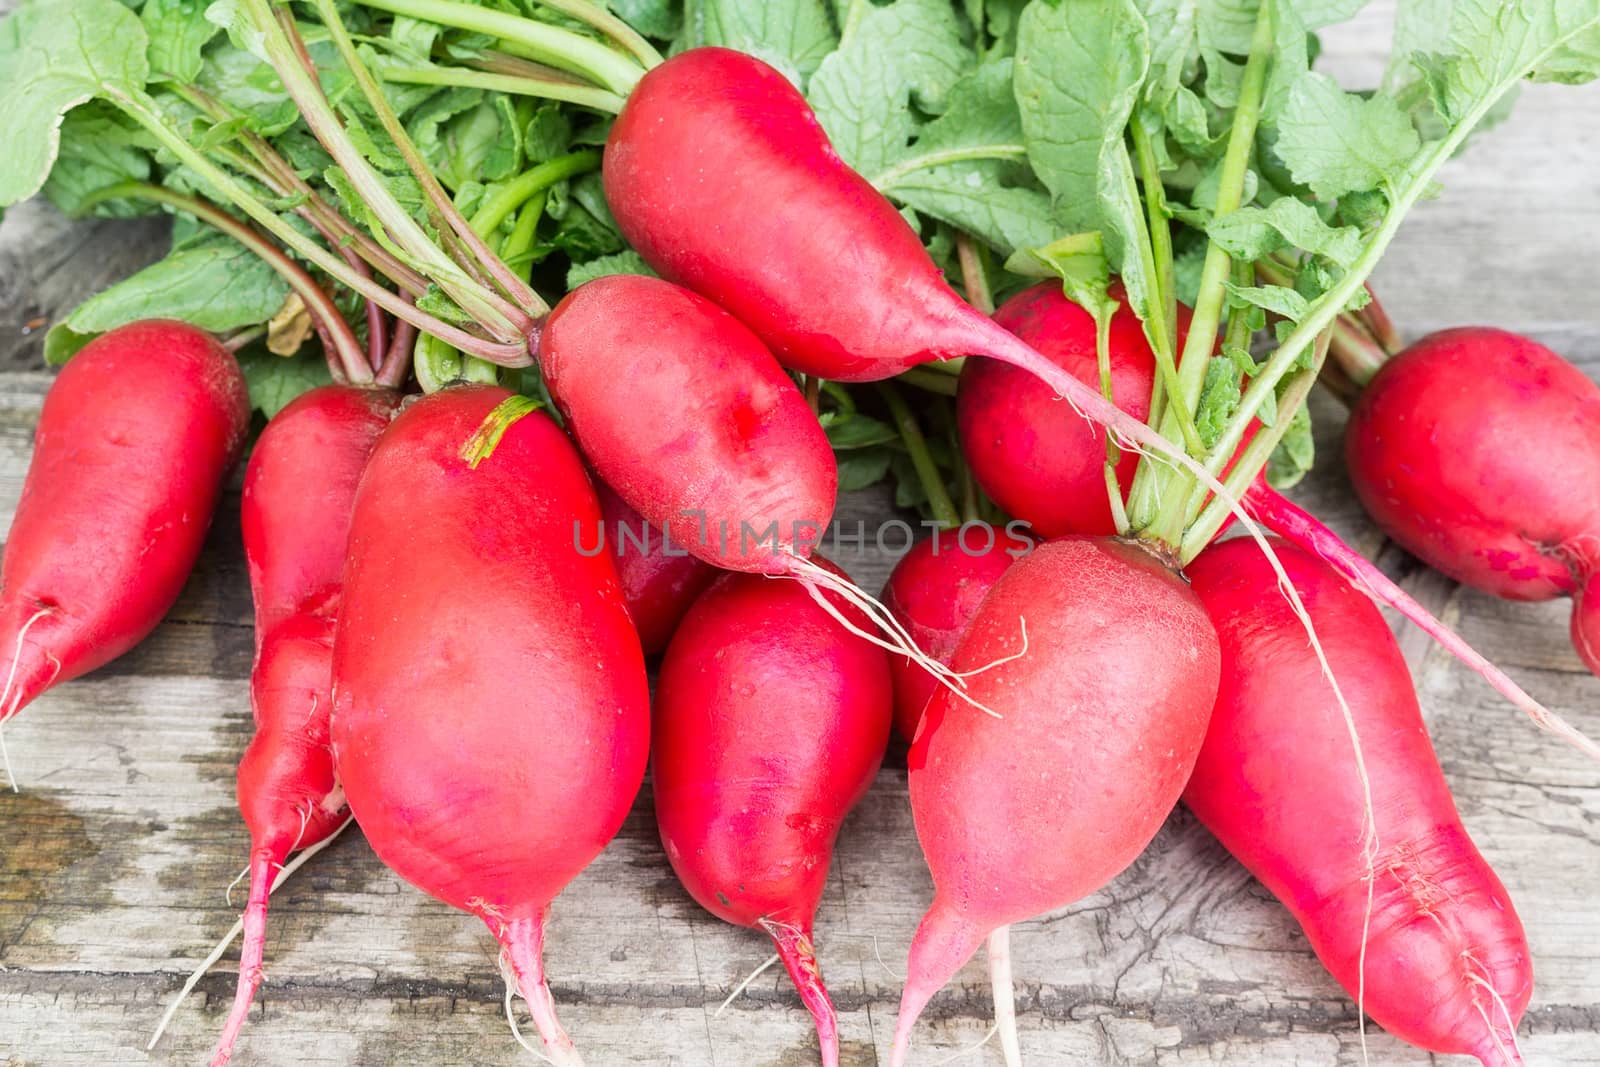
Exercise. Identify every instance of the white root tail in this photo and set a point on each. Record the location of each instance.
(1005, 1009)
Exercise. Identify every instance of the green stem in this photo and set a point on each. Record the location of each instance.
(584, 96)
(503, 321)
(527, 37)
(1102, 349)
(1354, 349)
(1216, 514)
(513, 194)
(974, 279)
(923, 379)
(520, 240)
(852, 18)
(944, 509)
(143, 110)
(885, 180)
(1155, 195)
(513, 285)
(335, 330)
(620, 32)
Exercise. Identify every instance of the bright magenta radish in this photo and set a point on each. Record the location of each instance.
(1099, 724)
(1036, 457)
(770, 722)
(136, 436)
(1451, 448)
(491, 716)
(660, 579)
(299, 491)
(801, 248)
(1447, 965)
(683, 411)
(934, 591)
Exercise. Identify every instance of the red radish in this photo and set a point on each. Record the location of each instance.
(1033, 455)
(1446, 965)
(136, 436)
(660, 579)
(736, 467)
(299, 490)
(491, 714)
(1450, 448)
(1099, 724)
(934, 591)
(803, 249)
(770, 722)
(1010, 456)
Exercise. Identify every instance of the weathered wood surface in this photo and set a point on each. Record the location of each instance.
(115, 857)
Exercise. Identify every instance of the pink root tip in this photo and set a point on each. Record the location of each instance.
(523, 942)
(800, 960)
(945, 940)
(262, 864)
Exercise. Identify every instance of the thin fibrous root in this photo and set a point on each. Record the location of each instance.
(1005, 1009)
(742, 986)
(227, 939)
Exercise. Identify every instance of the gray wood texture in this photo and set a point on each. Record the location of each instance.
(115, 856)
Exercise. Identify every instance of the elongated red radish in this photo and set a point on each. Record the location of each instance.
(660, 579)
(299, 492)
(1451, 446)
(770, 723)
(1099, 724)
(1444, 963)
(1033, 455)
(804, 250)
(735, 467)
(934, 591)
(1016, 454)
(136, 436)
(491, 714)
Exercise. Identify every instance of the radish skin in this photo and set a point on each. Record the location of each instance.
(299, 491)
(770, 723)
(659, 583)
(1445, 965)
(1451, 446)
(491, 713)
(136, 435)
(1120, 653)
(934, 591)
(738, 471)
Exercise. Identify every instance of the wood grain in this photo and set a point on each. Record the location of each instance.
(115, 857)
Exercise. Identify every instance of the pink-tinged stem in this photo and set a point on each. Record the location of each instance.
(263, 862)
(1296, 525)
(1381, 325)
(800, 960)
(397, 362)
(523, 943)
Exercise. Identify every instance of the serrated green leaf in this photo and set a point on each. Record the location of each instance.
(661, 19)
(98, 150)
(625, 262)
(55, 55)
(1295, 452)
(1253, 232)
(863, 468)
(273, 381)
(1337, 142)
(906, 53)
(792, 35)
(178, 31)
(1494, 43)
(1278, 299)
(854, 430)
(217, 286)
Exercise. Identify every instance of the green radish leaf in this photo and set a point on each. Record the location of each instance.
(660, 19)
(249, 87)
(1337, 142)
(1080, 71)
(854, 430)
(1219, 397)
(625, 262)
(98, 150)
(863, 468)
(273, 381)
(179, 31)
(55, 55)
(217, 286)
(1079, 262)
(1494, 43)
(1173, 38)
(62, 342)
(903, 59)
(965, 168)
(792, 35)
(1253, 232)
(1278, 299)
(1295, 453)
